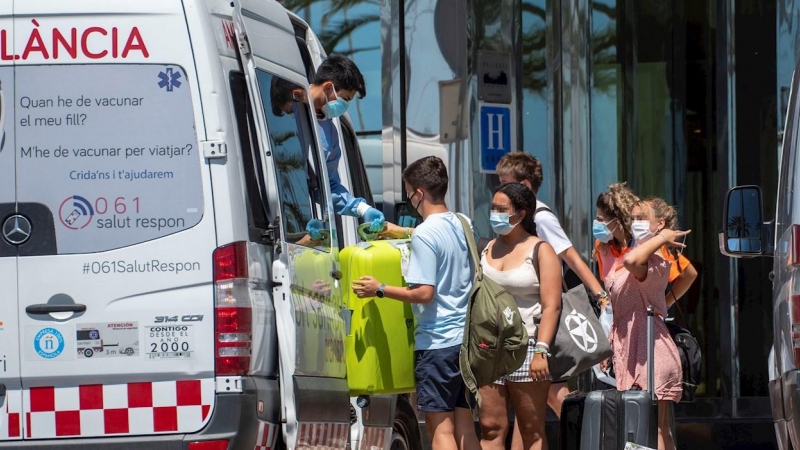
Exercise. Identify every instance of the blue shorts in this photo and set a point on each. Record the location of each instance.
(440, 387)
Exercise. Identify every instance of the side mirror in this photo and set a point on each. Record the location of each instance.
(743, 233)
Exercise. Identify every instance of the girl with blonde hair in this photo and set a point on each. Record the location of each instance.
(681, 273)
(635, 275)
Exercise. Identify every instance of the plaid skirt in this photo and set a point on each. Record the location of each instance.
(523, 374)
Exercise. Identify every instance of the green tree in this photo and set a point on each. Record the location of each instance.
(337, 26)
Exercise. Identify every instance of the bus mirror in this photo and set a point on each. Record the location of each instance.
(743, 233)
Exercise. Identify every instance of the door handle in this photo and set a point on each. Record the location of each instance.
(46, 308)
(2, 390)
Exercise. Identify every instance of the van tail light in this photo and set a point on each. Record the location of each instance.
(209, 445)
(794, 251)
(795, 318)
(794, 300)
(233, 310)
(230, 262)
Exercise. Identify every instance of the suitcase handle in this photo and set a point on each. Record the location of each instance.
(364, 234)
(651, 343)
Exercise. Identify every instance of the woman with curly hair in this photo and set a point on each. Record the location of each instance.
(635, 275)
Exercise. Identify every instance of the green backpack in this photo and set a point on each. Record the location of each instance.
(495, 340)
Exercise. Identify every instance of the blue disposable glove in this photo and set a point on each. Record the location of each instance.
(376, 220)
(313, 228)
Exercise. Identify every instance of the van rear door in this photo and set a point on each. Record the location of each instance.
(14, 230)
(308, 302)
(115, 287)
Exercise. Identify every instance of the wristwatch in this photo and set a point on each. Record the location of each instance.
(601, 297)
(379, 292)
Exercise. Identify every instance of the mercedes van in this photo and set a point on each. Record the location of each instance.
(746, 235)
(148, 190)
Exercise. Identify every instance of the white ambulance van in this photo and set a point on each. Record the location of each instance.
(148, 192)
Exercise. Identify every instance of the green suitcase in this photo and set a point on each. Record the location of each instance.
(380, 347)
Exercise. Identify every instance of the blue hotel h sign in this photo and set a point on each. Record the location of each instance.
(495, 135)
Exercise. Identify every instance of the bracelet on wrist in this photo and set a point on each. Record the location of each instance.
(543, 345)
(540, 350)
(408, 233)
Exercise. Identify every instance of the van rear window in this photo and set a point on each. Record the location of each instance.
(110, 150)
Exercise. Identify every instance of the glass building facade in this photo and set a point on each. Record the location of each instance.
(680, 98)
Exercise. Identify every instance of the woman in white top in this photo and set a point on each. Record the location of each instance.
(507, 261)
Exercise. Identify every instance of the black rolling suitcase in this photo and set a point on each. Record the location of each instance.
(607, 420)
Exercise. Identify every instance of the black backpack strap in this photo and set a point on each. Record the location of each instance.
(542, 208)
(677, 305)
(535, 261)
(535, 258)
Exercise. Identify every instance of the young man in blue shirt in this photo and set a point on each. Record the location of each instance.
(439, 278)
(336, 83)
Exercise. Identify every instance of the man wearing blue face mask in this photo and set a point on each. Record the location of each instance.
(335, 85)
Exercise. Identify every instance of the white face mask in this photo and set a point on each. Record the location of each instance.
(641, 231)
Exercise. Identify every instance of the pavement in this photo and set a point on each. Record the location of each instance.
(732, 435)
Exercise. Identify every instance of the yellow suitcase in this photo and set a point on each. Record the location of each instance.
(318, 307)
(380, 346)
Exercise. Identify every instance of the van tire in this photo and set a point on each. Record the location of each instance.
(88, 353)
(406, 434)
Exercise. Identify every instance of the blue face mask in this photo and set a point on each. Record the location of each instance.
(500, 223)
(601, 232)
(335, 108)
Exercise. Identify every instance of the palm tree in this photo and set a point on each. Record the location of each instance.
(534, 51)
(738, 227)
(604, 49)
(333, 33)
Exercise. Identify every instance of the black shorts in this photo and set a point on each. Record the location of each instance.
(440, 387)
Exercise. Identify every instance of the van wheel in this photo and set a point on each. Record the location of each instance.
(405, 430)
(129, 351)
(88, 353)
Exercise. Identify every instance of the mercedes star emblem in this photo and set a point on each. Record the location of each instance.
(17, 229)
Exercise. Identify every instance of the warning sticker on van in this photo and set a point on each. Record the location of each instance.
(169, 342)
(102, 340)
(111, 150)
